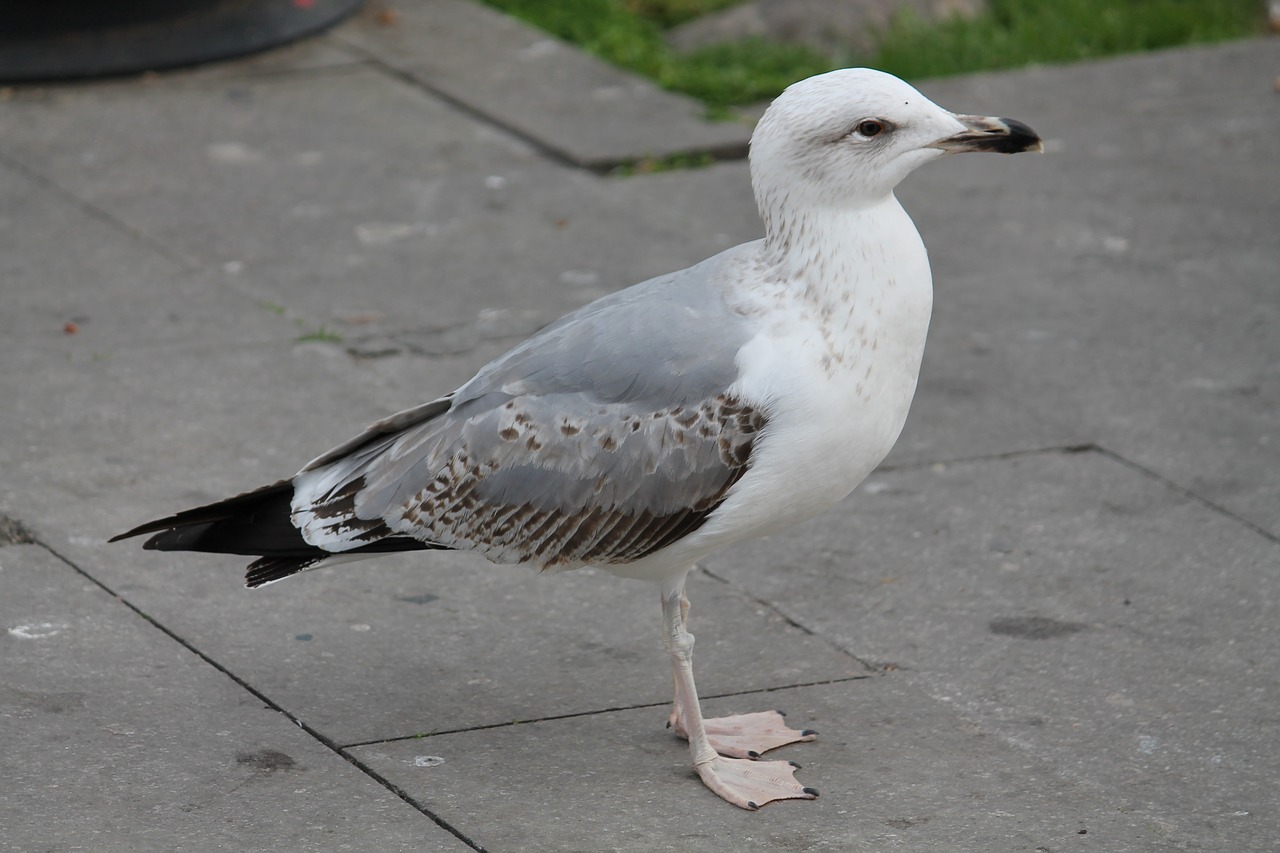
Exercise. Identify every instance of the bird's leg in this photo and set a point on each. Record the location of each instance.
(673, 719)
(738, 735)
(743, 782)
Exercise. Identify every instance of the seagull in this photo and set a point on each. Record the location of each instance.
(655, 425)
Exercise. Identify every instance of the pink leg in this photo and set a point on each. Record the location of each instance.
(738, 735)
(743, 782)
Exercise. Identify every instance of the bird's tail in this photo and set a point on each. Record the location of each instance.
(258, 524)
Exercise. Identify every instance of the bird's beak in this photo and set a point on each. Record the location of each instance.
(986, 133)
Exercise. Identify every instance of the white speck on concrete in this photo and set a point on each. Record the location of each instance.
(579, 278)
(235, 153)
(386, 233)
(36, 630)
(539, 49)
(427, 761)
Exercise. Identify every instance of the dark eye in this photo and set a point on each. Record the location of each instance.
(869, 128)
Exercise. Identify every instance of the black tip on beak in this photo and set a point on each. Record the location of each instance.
(1001, 135)
(1021, 138)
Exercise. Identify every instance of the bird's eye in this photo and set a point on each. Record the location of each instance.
(869, 128)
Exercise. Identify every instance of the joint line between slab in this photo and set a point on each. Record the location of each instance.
(1068, 449)
(575, 714)
(1189, 494)
(416, 82)
(89, 208)
(872, 667)
(604, 167)
(793, 622)
(270, 703)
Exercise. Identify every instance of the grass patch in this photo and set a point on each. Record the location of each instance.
(1011, 34)
(629, 33)
(669, 13)
(321, 335)
(670, 163)
(1015, 33)
(740, 72)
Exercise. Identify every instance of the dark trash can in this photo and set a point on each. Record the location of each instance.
(45, 40)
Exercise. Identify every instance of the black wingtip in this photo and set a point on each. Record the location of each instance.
(276, 495)
(157, 526)
(269, 570)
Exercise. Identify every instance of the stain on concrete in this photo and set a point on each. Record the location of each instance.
(266, 761)
(425, 598)
(39, 700)
(14, 532)
(1033, 627)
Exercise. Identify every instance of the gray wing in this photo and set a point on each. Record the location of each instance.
(607, 436)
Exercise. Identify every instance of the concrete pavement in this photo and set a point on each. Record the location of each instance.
(1047, 623)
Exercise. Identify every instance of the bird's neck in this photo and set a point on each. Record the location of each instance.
(859, 276)
(842, 257)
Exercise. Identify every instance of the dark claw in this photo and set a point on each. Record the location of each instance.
(752, 754)
(808, 732)
(813, 792)
(752, 805)
(796, 766)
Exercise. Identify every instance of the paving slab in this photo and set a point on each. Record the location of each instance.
(450, 642)
(897, 770)
(586, 111)
(118, 738)
(371, 200)
(106, 432)
(1072, 606)
(199, 164)
(197, 226)
(117, 289)
(1131, 297)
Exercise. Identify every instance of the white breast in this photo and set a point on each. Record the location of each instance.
(836, 371)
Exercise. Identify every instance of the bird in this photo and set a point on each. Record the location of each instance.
(669, 419)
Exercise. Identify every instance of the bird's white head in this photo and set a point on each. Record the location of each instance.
(846, 138)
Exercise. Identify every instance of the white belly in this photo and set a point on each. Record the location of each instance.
(834, 372)
(826, 432)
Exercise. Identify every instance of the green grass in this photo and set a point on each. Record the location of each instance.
(720, 76)
(1015, 33)
(740, 72)
(669, 163)
(668, 13)
(321, 335)
(1011, 34)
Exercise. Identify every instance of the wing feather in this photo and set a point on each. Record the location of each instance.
(608, 436)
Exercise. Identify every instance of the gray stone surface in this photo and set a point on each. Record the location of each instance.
(1136, 287)
(587, 112)
(117, 738)
(436, 637)
(1072, 607)
(199, 229)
